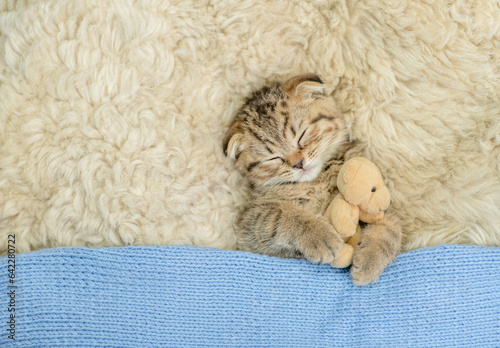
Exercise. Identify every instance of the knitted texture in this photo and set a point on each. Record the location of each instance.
(189, 296)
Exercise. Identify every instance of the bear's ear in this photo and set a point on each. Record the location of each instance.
(350, 170)
(346, 177)
(304, 86)
(233, 139)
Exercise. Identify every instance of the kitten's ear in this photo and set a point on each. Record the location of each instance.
(304, 86)
(232, 140)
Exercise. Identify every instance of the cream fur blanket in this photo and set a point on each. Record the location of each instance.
(112, 112)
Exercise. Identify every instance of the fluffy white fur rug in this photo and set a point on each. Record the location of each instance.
(112, 112)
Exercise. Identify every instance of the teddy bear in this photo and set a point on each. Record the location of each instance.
(363, 197)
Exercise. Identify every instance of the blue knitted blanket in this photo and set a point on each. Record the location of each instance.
(192, 297)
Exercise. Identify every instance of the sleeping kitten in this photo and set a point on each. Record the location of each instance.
(290, 141)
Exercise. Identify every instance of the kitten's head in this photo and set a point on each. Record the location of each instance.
(286, 132)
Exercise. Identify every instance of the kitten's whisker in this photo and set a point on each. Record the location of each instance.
(331, 140)
(325, 145)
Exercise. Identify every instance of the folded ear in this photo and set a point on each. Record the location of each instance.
(304, 86)
(232, 140)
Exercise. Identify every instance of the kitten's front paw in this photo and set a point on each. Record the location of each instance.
(366, 265)
(380, 244)
(321, 245)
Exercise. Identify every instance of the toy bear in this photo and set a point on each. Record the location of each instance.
(363, 197)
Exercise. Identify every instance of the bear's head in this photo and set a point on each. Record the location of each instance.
(361, 184)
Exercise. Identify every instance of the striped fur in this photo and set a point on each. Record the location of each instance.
(290, 141)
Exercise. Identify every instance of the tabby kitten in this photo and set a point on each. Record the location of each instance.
(290, 141)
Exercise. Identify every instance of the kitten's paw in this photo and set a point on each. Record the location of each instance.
(380, 244)
(367, 265)
(321, 245)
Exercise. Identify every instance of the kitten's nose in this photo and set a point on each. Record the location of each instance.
(299, 164)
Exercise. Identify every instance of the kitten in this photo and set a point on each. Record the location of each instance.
(290, 141)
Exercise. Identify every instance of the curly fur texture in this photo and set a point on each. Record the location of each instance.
(112, 113)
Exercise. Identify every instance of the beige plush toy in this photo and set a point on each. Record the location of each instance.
(363, 197)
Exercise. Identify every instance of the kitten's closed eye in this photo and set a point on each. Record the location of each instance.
(301, 146)
(276, 159)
